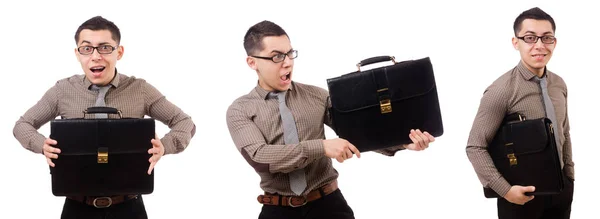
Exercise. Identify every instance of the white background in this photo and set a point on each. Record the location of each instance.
(194, 55)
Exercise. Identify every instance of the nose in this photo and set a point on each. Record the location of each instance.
(287, 62)
(96, 55)
(538, 44)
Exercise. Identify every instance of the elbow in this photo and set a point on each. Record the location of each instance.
(258, 167)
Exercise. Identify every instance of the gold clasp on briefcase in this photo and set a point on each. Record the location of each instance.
(103, 155)
(512, 159)
(385, 104)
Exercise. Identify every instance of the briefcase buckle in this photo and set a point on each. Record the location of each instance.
(103, 155)
(384, 101)
(386, 106)
(512, 159)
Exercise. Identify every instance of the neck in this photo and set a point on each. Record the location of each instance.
(537, 71)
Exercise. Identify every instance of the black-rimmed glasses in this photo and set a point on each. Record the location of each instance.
(547, 39)
(102, 49)
(292, 54)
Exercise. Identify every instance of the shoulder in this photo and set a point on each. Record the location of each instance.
(311, 90)
(557, 79)
(504, 84)
(243, 102)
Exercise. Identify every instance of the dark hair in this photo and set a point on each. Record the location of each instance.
(533, 13)
(99, 23)
(254, 35)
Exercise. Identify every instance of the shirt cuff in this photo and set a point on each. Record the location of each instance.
(500, 186)
(314, 149)
(167, 142)
(37, 144)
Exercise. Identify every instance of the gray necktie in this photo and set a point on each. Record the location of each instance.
(550, 113)
(290, 136)
(100, 99)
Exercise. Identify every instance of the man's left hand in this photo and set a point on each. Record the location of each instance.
(157, 151)
(420, 140)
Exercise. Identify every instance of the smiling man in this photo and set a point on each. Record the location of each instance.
(279, 129)
(98, 50)
(535, 92)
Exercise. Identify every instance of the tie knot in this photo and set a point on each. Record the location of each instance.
(100, 89)
(277, 95)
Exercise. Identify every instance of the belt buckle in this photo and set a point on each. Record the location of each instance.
(294, 206)
(101, 206)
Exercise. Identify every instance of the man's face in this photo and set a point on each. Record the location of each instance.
(99, 68)
(535, 55)
(273, 76)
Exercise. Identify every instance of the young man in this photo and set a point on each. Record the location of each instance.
(98, 51)
(535, 92)
(278, 128)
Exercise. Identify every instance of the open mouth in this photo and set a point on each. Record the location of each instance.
(97, 69)
(286, 77)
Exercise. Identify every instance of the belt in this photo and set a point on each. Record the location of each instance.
(104, 201)
(297, 201)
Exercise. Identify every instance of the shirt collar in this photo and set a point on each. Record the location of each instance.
(527, 74)
(262, 93)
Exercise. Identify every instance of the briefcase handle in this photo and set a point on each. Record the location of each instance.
(102, 109)
(375, 59)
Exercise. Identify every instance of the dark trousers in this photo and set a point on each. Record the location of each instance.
(332, 206)
(540, 207)
(133, 208)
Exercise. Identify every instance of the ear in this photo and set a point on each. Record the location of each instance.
(120, 51)
(515, 43)
(77, 55)
(251, 61)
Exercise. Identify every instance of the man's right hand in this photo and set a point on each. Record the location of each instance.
(516, 194)
(49, 151)
(340, 149)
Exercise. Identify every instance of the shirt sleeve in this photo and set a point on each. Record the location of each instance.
(264, 157)
(25, 130)
(181, 126)
(491, 112)
(567, 149)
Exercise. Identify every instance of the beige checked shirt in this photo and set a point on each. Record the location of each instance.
(133, 96)
(255, 126)
(516, 91)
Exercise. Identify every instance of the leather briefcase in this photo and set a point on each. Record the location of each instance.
(377, 108)
(525, 153)
(102, 157)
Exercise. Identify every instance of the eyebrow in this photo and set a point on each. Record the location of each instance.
(547, 32)
(99, 44)
(280, 52)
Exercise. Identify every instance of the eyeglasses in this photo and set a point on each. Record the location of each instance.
(292, 54)
(102, 49)
(547, 39)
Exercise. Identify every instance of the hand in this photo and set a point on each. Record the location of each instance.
(420, 140)
(516, 194)
(49, 151)
(340, 149)
(157, 151)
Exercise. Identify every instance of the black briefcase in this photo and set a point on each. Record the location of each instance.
(524, 152)
(101, 157)
(377, 108)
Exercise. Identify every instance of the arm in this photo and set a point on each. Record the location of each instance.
(181, 126)
(567, 149)
(491, 112)
(25, 130)
(264, 157)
